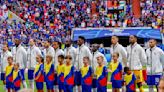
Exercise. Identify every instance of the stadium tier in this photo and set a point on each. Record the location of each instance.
(82, 45)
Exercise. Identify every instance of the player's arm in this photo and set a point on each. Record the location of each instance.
(24, 57)
(39, 74)
(124, 56)
(162, 59)
(143, 58)
(109, 67)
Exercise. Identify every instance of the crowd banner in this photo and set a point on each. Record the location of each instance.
(92, 33)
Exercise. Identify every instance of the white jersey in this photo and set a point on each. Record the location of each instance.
(136, 57)
(57, 52)
(49, 51)
(70, 51)
(122, 52)
(32, 53)
(94, 63)
(155, 60)
(82, 51)
(20, 56)
(4, 61)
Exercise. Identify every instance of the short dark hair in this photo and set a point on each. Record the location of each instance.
(69, 56)
(134, 36)
(126, 69)
(86, 58)
(153, 39)
(116, 54)
(82, 37)
(61, 56)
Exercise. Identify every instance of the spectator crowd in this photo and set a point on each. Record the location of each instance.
(45, 19)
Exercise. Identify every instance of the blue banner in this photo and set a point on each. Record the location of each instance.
(99, 33)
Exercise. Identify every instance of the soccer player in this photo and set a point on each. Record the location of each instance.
(95, 54)
(21, 58)
(6, 53)
(81, 51)
(9, 74)
(70, 50)
(49, 50)
(32, 52)
(49, 73)
(17, 78)
(155, 64)
(101, 74)
(129, 79)
(116, 47)
(161, 85)
(60, 73)
(86, 76)
(136, 60)
(68, 75)
(57, 51)
(116, 68)
(39, 73)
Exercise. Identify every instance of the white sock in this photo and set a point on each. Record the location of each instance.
(94, 89)
(123, 89)
(151, 89)
(24, 84)
(31, 82)
(75, 89)
(56, 88)
(4, 87)
(79, 89)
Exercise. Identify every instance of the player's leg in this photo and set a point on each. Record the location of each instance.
(77, 81)
(39, 86)
(140, 87)
(3, 79)
(139, 79)
(117, 90)
(55, 84)
(151, 89)
(94, 85)
(61, 87)
(50, 86)
(30, 78)
(23, 78)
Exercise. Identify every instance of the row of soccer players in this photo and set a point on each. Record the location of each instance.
(66, 76)
(134, 57)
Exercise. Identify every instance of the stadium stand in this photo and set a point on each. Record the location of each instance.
(48, 18)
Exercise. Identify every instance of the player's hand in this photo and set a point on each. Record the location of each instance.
(4, 82)
(109, 70)
(144, 83)
(109, 83)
